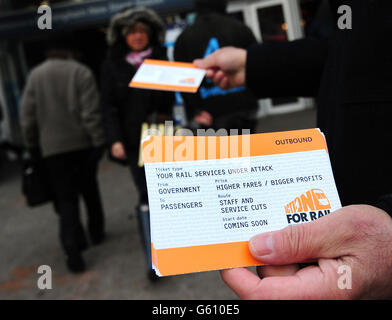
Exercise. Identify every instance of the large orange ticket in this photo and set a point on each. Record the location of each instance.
(209, 195)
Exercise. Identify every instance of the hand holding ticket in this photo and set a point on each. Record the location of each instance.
(227, 67)
(209, 195)
(169, 76)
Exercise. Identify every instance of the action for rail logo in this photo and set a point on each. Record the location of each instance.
(308, 207)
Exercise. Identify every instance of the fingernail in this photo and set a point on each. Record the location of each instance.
(261, 245)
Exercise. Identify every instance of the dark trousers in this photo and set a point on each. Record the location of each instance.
(143, 216)
(139, 176)
(74, 174)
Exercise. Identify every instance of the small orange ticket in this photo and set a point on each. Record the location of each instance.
(168, 76)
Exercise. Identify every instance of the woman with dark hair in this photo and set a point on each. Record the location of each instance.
(133, 36)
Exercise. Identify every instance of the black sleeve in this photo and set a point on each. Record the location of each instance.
(110, 111)
(192, 101)
(163, 102)
(180, 49)
(247, 38)
(286, 69)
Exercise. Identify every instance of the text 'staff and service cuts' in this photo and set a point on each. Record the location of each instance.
(209, 195)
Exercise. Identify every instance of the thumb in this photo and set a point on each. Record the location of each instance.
(324, 238)
(207, 63)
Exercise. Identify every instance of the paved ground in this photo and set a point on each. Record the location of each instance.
(116, 269)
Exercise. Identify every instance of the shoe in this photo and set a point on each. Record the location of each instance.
(75, 263)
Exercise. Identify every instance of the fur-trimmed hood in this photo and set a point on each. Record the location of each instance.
(130, 17)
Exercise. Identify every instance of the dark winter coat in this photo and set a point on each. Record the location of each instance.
(351, 76)
(60, 108)
(125, 108)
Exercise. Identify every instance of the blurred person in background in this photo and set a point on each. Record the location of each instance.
(61, 120)
(212, 106)
(134, 35)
